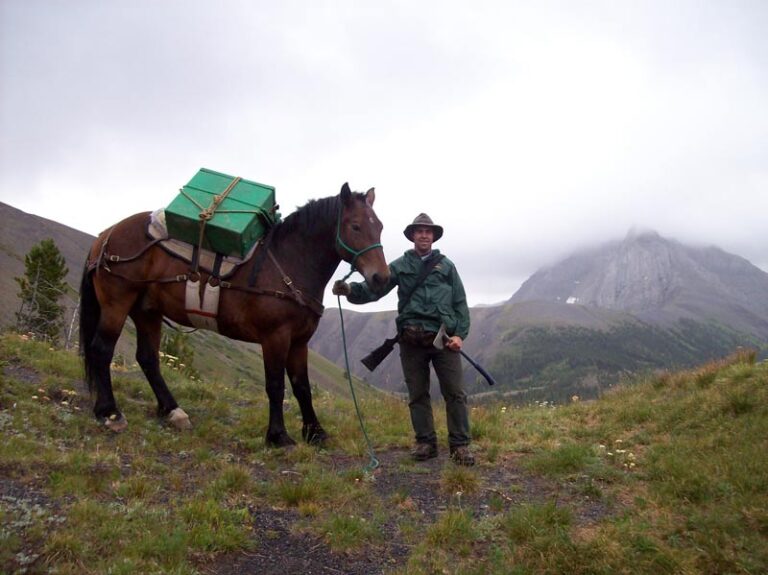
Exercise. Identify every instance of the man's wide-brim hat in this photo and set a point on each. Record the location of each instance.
(423, 220)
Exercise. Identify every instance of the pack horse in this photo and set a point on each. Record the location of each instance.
(274, 299)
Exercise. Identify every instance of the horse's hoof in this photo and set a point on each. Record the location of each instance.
(314, 434)
(280, 440)
(179, 419)
(115, 422)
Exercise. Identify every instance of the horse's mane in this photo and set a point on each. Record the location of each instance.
(314, 215)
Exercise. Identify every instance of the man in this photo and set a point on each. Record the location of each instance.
(438, 299)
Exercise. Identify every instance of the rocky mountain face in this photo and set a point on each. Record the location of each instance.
(658, 280)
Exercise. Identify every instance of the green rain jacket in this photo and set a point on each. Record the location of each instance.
(439, 299)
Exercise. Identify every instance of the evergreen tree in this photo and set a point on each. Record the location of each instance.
(41, 287)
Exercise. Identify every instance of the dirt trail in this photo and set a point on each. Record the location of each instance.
(279, 549)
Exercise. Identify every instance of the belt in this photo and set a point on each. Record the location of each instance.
(418, 336)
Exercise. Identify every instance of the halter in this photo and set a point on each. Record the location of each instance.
(355, 253)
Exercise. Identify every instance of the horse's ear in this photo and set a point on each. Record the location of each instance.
(346, 193)
(370, 196)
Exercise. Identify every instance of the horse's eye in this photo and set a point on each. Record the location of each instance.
(355, 227)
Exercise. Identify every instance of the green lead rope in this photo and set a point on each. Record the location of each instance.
(374, 463)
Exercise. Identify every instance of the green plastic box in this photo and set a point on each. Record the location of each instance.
(243, 216)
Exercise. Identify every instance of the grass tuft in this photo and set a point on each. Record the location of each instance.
(346, 532)
(454, 531)
(456, 479)
(563, 460)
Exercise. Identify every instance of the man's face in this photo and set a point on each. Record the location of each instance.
(423, 236)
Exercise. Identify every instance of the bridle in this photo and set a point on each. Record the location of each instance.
(355, 253)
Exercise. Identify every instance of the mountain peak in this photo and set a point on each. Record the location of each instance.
(638, 232)
(648, 275)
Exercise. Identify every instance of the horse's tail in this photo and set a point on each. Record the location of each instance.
(90, 313)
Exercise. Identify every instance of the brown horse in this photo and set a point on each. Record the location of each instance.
(278, 304)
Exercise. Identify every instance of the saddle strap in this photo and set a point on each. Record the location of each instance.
(105, 256)
(286, 278)
(314, 305)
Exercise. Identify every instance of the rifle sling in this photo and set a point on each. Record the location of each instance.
(425, 271)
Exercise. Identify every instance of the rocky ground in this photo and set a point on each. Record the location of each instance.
(282, 550)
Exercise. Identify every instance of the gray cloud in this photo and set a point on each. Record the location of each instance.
(527, 129)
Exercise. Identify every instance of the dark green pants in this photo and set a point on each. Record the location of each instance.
(415, 361)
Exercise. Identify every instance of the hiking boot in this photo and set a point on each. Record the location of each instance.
(461, 455)
(424, 451)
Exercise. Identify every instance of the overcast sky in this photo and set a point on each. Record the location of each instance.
(526, 129)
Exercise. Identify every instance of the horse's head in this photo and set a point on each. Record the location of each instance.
(359, 236)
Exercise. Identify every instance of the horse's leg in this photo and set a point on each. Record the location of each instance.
(275, 351)
(99, 354)
(148, 332)
(102, 350)
(311, 430)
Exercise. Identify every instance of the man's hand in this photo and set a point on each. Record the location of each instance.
(454, 343)
(341, 287)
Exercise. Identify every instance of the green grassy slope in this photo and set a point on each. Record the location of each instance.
(556, 362)
(664, 476)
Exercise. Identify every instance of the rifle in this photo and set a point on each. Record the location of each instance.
(373, 359)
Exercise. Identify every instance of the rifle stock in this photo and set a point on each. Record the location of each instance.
(373, 359)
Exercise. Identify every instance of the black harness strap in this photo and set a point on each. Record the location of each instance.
(195, 258)
(258, 259)
(313, 304)
(111, 258)
(217, 266)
